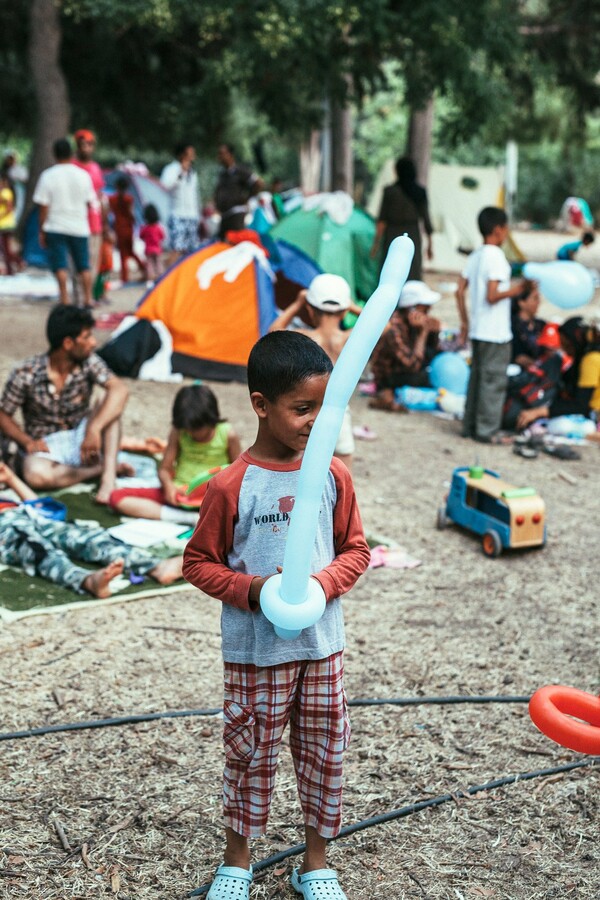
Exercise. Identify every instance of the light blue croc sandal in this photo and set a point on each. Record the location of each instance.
(320, 884)
(230, 883)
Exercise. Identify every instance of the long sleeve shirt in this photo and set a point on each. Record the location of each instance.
(242, 534)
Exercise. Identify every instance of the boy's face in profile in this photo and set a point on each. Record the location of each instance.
(288, 420)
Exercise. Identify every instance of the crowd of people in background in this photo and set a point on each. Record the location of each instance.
(68, 210)
(81, 223)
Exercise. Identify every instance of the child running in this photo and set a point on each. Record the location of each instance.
(238, 544)
(199, 440)
(153, 236)
(327, 300)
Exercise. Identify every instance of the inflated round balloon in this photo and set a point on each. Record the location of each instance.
(564, 283)
(449, 371)
(568, 716)
(295, 600)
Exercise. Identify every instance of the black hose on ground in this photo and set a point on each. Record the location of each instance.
(184, 713)
(413, 808)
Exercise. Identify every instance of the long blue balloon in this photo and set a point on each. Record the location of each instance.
(293, 586)
(565, 283)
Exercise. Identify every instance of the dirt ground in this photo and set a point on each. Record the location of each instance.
(139, 805)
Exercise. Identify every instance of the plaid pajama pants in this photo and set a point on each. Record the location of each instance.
(259, 703)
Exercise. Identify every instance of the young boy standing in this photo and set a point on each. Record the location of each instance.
(487, 276)
(238, 544)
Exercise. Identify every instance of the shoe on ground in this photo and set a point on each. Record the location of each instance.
(320, 884)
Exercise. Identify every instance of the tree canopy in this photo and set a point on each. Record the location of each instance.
(149, 73)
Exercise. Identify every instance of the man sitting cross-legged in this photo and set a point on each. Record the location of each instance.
(65, 440)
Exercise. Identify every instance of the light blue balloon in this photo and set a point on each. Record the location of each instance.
(564, 283)
(449, 371)
(292, 602)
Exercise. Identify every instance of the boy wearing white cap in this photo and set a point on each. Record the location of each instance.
(405, 347)
(326, 301)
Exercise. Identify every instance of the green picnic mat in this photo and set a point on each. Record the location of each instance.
(20, 593)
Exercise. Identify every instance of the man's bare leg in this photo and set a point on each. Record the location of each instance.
(98, 583)
(86, 284)
(43, 474)
(62, 276)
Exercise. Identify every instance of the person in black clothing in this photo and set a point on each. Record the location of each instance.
(580, 383)
(526, 327)
(235, 186)
(403, 208)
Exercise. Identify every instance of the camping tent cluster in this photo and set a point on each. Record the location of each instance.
(218, 301)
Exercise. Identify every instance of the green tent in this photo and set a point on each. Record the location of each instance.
(338, 249)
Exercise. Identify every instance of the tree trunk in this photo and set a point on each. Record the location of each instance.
(52, 99)
(342, 161)
(418, 145)
(310, 163)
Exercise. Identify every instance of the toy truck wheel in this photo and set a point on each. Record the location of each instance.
(442, 518)
(491, 543)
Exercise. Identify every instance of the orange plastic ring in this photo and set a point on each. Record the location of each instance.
(551, 709)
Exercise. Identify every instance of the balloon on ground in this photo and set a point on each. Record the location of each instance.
(450, 372)
(293, 600)
(566, 284)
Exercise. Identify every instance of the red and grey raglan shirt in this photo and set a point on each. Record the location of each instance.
(242, 532)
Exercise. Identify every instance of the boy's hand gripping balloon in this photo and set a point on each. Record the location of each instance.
(293, 600)
(565, 284)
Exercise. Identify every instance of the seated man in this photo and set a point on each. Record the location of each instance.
(64, 439)
(406, 347)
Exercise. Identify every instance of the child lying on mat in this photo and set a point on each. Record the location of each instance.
(44, 547)
(199, 441)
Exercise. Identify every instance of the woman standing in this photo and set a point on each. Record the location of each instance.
(403, 208)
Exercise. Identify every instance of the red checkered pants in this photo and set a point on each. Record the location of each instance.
(259, 703)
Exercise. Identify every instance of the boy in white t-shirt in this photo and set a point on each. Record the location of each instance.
(487, 276)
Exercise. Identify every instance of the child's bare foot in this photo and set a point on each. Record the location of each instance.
(168, 570)
(98, 583)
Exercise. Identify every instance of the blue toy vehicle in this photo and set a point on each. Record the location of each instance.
(504, 515)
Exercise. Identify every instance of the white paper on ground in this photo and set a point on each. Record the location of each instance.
(147, 532)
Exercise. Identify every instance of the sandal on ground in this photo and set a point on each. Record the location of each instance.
(387, 405)
(364, 433)
(526, 451)
(230, 883)
(561, 451)
(320, 884)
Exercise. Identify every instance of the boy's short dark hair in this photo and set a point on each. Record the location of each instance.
(489, 218)
(281, 360)
(195, 407)
(62, 149)
(588, 238)
(67, 321)
(122, 182)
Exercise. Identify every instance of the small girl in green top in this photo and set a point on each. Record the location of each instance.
(199, 441)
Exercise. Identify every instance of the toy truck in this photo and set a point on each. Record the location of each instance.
(504, 515)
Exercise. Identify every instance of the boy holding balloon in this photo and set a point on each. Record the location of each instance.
(238, 544)
(487, 278)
